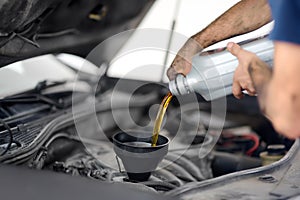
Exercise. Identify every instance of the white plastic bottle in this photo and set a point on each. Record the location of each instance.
(212, 75)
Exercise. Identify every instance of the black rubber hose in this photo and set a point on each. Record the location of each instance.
(225, 163)
(60, 149)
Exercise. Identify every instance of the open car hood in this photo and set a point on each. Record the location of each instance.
(33, 27)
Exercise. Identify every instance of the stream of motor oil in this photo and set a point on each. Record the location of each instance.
(159, 118)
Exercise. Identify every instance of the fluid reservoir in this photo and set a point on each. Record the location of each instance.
(273, 153)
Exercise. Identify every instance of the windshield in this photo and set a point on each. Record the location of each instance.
(25, 75)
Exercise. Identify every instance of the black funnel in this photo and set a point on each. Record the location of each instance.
(137, 155)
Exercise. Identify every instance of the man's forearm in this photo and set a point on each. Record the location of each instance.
(245, 16)
(279, 95)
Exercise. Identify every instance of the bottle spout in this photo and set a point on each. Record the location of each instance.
(179, 86)
(172, 87)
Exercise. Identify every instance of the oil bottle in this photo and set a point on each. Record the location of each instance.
(212, 75)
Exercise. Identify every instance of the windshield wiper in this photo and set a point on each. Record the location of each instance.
(46, 84)
(44, 91)
(31, 98)
(35, 95)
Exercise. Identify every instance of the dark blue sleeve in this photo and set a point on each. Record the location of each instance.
(286, 14)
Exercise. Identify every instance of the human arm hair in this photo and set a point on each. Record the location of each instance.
(243, 17)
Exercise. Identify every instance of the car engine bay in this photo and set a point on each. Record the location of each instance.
(54, 128)
(60, 108)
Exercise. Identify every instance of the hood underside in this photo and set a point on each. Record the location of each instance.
(34, 27)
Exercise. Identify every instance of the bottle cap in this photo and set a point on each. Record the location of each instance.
(178, 86)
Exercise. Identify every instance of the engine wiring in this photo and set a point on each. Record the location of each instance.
(247, 143)
(255, 139)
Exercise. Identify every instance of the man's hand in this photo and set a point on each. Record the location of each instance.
(278, 91)
(252, 74)
(242, 79)
(182, 63)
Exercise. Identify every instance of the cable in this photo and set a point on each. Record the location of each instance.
(255, 139)
(58, 33)
(10, 136)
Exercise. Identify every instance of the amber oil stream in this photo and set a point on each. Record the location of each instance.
(159, 118)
